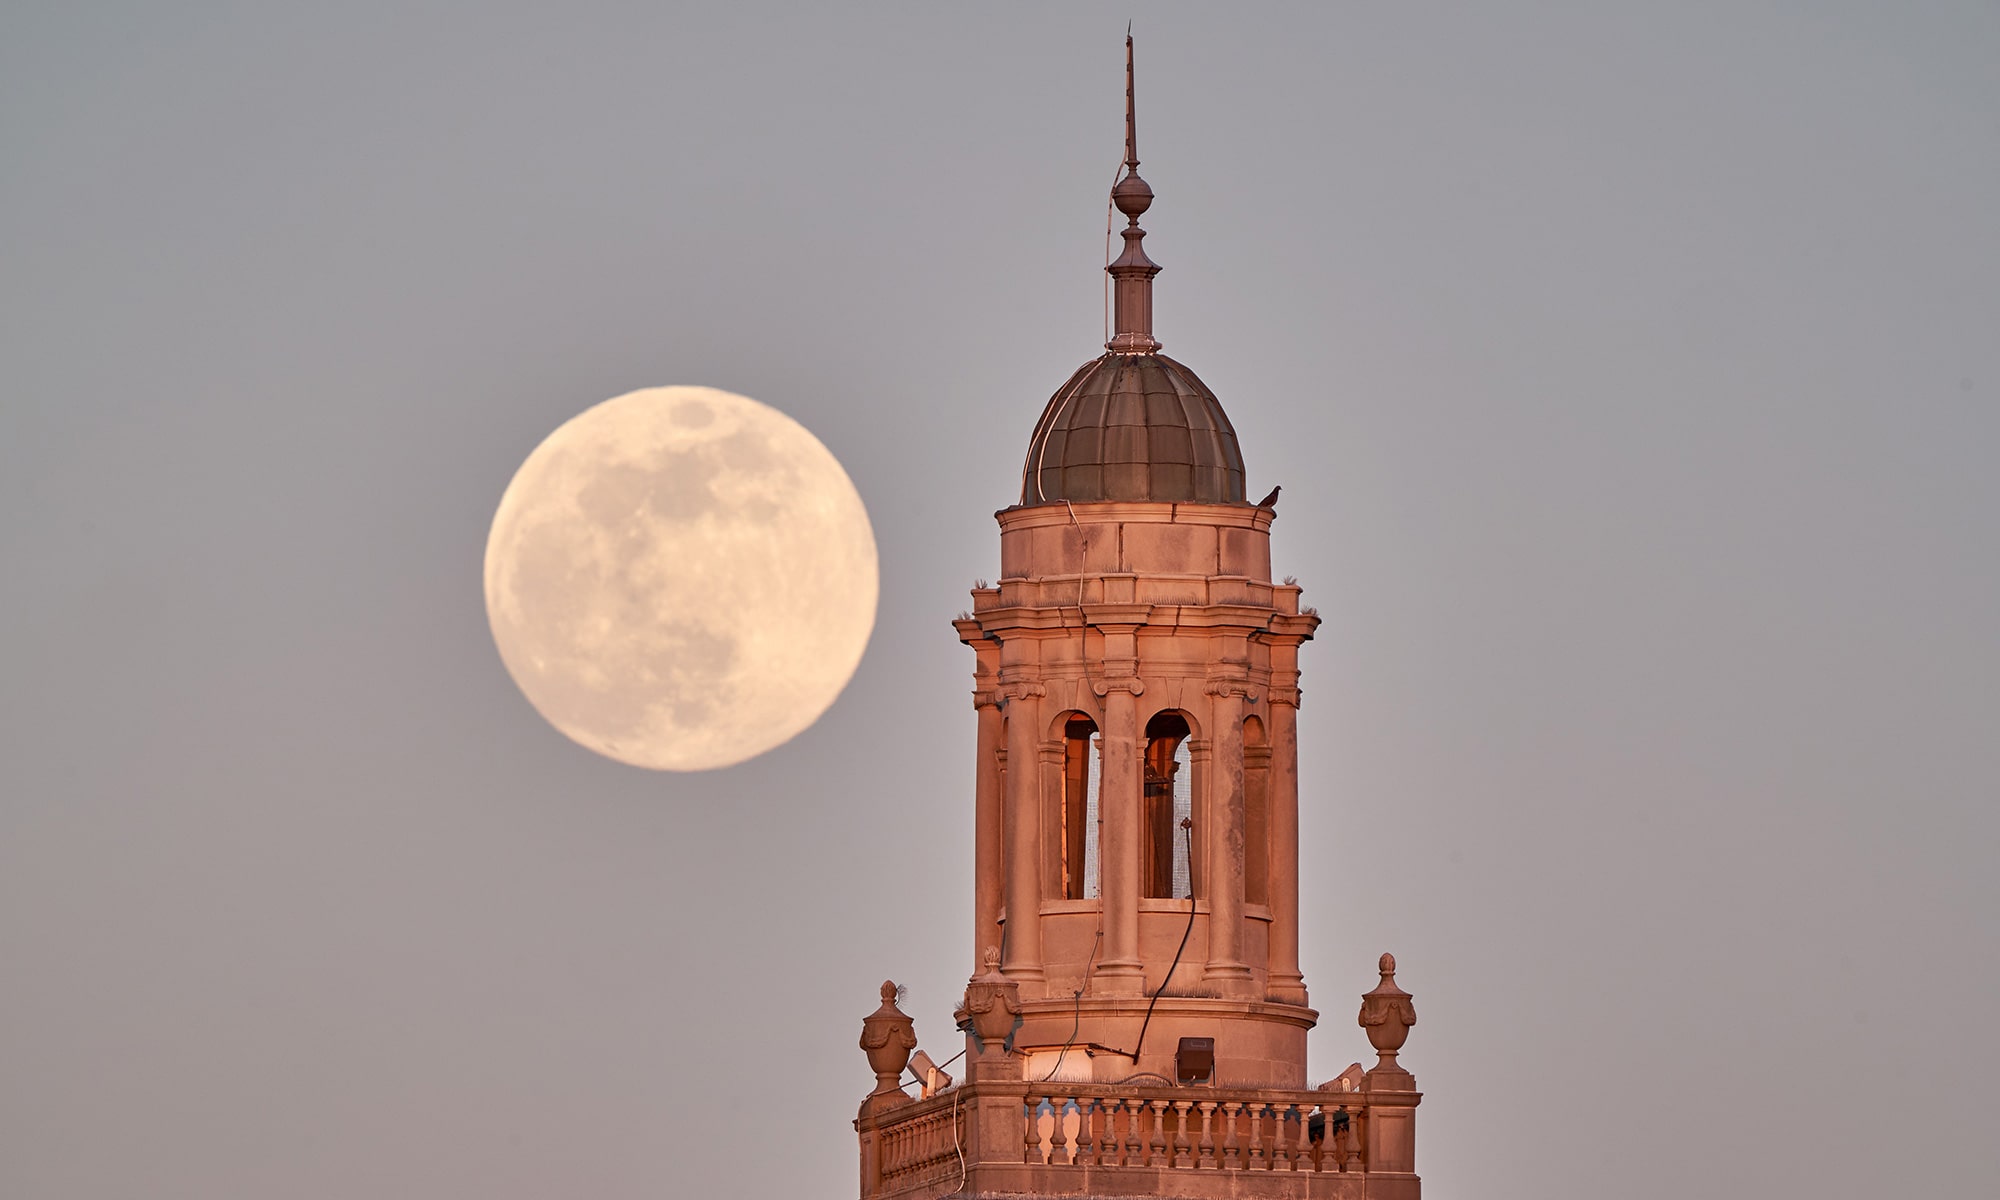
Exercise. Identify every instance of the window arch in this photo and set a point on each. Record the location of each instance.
(1165, 872)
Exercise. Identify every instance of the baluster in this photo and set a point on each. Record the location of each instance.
(1301, 1144)
(1357, 1139)
(1135, 1146)
(1232, 1149)
(1280, 1144)
(1156, 1147)
(1031, 1145)
(1205, 1157)
(1058, 1143)
(1086, 1140)
(1183, 1144)
(1255, 1160)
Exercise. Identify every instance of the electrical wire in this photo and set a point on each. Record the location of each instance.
(1187, 827)
(1076, 1025)
(957, 1149)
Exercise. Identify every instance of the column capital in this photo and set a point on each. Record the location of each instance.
(1021, 689)
(1130, 684)
(1229, 686)
(986, 698)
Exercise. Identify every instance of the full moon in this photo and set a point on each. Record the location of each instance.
(681, 578)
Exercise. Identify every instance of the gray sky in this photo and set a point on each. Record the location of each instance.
(1633, 377)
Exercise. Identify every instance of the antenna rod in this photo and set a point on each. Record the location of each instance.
(1131, 118)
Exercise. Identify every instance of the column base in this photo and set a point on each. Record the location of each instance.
(1232, 979)
(1119, 978)
(1287, 989)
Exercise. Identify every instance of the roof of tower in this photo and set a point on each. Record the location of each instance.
(1133, 427)
(1134, 424)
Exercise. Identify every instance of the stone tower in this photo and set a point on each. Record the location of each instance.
(1136, 1023)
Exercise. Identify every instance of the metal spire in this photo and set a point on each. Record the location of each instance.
(1132, 292)
(1131, 121)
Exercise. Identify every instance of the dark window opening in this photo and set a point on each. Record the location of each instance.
(1168, 800)
(1082, 751)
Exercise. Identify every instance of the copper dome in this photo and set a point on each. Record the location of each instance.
(1133, 427)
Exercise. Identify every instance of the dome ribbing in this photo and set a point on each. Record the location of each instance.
(1133, 427)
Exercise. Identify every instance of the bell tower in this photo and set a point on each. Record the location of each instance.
(1137, 1021)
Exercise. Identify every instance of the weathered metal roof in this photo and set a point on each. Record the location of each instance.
(1133, 427)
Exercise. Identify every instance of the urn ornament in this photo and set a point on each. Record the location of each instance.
(888, 1036)
(992, 1009)
(1387, 1014)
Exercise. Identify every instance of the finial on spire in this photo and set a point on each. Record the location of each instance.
(1133, 272)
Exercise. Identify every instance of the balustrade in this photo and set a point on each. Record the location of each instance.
(1097, 1125)
(1089, 1127)
(922, 1147)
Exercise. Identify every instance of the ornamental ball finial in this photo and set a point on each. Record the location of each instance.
(1132, 195)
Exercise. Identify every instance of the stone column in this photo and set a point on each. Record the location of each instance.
(1021, 958)
(987, 825)
(1122, 971)
(1282, 805)
(988, 804)
(1226, 969)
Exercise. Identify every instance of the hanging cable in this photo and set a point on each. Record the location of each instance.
(1076, 1024)
(1187, 827)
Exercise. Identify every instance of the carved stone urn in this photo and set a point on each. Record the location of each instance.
(1387, 1014)
(991, 1013)
(888, 1036)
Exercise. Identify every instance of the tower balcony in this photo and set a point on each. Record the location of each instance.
(1008, 1131)
(1023, 1138)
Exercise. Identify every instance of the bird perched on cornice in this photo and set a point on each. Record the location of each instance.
(1271, 501)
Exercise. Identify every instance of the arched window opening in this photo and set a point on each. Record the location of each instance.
(1083, 752)
(1168, 800)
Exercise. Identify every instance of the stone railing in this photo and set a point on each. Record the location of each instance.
(920, 1148)
(1000, 1136)
(1195, 1129)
